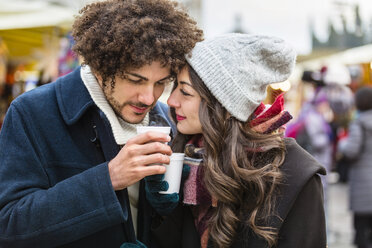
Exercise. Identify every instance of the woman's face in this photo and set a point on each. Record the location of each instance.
(186, 101)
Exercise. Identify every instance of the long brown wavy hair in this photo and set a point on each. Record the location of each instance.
(241, 169)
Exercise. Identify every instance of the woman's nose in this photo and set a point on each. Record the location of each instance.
(172, 100)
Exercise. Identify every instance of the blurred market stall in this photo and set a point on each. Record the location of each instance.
(35, 46)
(351, 67)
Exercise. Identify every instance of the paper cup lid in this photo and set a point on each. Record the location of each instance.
(177, 156)
(144, 129)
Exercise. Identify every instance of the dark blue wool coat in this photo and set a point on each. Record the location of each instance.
(55, 188)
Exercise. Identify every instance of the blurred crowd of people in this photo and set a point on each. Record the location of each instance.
(334, 126)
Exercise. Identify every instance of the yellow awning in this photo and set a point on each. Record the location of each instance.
(24, 42)
(29, 25)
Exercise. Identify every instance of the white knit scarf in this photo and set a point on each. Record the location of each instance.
(121, 129)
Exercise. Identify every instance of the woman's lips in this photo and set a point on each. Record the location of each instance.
(180, 118)
(139, 110)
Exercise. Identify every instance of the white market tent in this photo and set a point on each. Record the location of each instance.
(352, 56)
(31, 30)
(26, 25)
(349, 57)
(29, 14)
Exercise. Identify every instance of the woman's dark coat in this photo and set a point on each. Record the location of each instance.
(299, 205)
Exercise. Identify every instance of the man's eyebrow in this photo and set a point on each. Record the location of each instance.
(183, 82)
(136, 75)
(145, 78)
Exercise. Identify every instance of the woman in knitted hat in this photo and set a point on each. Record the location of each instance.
(248, 186)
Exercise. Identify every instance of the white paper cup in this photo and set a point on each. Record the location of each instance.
(145, 129)
(174, 173)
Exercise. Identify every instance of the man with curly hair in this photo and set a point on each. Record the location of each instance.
(71, 164)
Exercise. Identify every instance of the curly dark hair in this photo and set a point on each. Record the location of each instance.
(115, 35)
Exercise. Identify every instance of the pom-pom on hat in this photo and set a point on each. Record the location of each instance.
(237, 68)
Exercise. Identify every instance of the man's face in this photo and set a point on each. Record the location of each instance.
(134, 95)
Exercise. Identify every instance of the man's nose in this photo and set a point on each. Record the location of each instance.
(146, 95)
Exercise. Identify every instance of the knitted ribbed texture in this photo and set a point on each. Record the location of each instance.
(237, 68)
(121, 130)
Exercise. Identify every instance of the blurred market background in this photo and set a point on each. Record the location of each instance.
(332, 37)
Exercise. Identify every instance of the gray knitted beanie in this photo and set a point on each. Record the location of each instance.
(237, 68)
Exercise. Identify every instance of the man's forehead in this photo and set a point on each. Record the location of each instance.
(150, 71)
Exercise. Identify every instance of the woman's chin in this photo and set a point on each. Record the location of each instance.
(187, 130)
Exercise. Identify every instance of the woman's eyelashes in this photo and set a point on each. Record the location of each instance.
(183, 92)
(181, 86)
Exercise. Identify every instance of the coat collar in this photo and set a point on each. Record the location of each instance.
(72, 96)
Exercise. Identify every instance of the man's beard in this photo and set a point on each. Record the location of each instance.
(117, 107)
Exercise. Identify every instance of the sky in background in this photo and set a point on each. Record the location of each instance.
(289, 19)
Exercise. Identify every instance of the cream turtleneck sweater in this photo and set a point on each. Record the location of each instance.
(121, 130)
